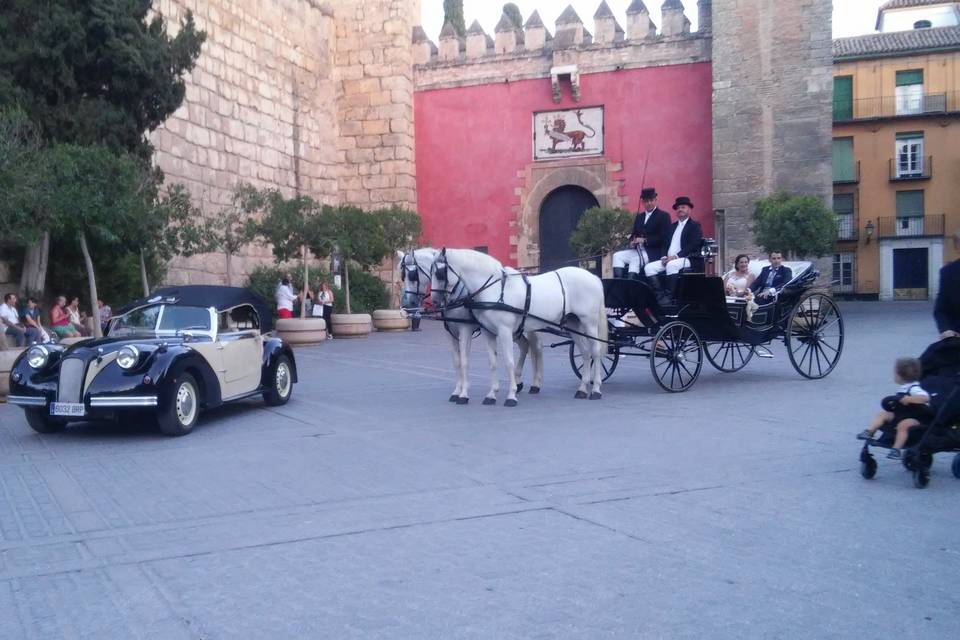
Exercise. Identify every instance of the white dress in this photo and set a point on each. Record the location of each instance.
(738, 282)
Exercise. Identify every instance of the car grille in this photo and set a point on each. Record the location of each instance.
(72, 372)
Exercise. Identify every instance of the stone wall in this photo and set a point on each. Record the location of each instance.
(772, 92)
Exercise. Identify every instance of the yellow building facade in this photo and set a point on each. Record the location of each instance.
(896, 158)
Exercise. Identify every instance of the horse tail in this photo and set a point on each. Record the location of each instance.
(602, 332)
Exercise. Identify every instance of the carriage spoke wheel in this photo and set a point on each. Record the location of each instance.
(815, 336)
(729, 356)
(609, 362)
(676, 356)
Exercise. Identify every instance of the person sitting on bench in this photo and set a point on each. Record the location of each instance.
(771, 278)
(686, 239)
(651, 231)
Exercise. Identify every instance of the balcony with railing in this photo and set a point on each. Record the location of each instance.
(847, 173)
(905, 169)
(910, 226)
(846, 227)
(896, 106)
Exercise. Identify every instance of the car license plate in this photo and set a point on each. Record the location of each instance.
(67, 409)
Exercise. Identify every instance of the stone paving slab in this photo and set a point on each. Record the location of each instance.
(370, 507)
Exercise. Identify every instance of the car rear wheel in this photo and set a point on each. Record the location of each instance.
(41, 421)
(180, 414)
(280, 385)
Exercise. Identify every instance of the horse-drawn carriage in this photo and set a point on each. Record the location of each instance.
(706, 324)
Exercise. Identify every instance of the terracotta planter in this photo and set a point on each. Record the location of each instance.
(7, 358)
(351, 325)
(390, 320)
(297, 331)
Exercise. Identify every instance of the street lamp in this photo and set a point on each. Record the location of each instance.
(869, 229)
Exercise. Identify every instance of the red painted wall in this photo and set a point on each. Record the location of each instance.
(472, 141)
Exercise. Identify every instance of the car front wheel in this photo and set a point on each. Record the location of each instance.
(180, 414)
(280, 385)
(41, 422)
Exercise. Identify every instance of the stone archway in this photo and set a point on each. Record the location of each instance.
(597, 175)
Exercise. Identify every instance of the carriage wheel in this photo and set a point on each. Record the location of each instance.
(610, 361)
(676, 356)
(815, 336)
(868, 468)
(729, 356)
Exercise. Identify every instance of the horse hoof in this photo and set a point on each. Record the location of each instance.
(519, 386)
(580, 395)
(489, 401)
(463, 400)
(534, 390)
(453, 398)
(510, 402)
(596, 395)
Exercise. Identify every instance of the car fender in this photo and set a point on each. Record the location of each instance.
(165, 367)
(273, 348)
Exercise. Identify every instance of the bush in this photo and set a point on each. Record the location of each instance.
(367, 293)
(799, 226)
(600, 231)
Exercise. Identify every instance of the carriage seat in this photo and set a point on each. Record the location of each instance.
(798, 268)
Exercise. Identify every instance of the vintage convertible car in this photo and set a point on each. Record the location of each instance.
(183, 350)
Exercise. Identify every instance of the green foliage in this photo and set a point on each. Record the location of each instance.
(19, 177)
(798, 226)
(367, 293)
(600, 231)
(453, 13)
(236, 224)
(401, 227)
(119, 272)
(102, 72)
(289, 223)
(356, 234)
(512, 11)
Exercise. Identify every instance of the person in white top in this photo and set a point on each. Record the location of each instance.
(906, 409)
(10, 321)
(737, 282)
(686, 239)
(285, 297)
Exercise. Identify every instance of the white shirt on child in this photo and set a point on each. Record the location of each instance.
(913, 389)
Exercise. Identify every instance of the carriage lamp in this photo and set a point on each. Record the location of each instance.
(869, 229)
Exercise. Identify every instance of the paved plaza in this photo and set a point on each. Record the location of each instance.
(370, 507)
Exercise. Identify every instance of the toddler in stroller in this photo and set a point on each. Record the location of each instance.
(908, 408)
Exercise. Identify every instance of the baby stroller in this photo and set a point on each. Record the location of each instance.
(941, 378)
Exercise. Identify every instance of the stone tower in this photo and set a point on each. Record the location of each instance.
(772, 93)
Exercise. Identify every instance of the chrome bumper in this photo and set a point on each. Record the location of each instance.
(116, 402)
(28, 401)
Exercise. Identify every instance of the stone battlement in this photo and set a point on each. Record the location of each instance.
(531, 51)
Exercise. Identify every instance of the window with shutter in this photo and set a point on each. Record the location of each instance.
(909, 92)
(843, 98)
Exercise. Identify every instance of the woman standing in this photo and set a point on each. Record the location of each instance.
(285, 298)
(325, 298)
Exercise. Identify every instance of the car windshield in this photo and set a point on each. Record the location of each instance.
(161, 318)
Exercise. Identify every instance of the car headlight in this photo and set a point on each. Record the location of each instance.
(127, 357)
(38, 356)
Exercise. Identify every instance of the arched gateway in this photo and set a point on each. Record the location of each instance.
(559, 214)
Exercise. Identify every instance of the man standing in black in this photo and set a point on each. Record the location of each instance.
(651, 230)
(946, 312)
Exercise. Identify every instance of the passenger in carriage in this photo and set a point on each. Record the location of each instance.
(771, 278)
(908, 408)
(651, 230)
(737, 282)
(686, 237)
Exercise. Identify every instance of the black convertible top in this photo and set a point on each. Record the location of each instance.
(206, 295)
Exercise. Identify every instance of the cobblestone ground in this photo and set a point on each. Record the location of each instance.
(370, 507)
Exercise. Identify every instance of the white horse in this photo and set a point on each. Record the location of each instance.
(416, 272)
(507, 303)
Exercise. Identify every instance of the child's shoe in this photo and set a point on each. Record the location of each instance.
(895, 454)
(865, 435)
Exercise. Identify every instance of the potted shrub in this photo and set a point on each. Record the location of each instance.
(358, 237)
(401, 228)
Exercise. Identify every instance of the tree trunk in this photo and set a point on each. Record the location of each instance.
(346, 285)
(306, 279)
(91, 280)
(229, 268)
(143, 275)
(33, 279)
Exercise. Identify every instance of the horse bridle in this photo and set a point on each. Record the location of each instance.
(412, 273)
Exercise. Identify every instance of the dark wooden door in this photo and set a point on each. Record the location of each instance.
(910, 274)
(559, 214)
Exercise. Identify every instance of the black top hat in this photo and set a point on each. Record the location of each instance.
(682, 200)
(648, 193)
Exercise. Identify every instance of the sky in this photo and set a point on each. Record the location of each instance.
(850, 17)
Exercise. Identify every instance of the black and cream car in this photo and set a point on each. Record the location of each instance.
(181, 351)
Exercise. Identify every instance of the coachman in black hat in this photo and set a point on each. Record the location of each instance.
(685, 240)
(651, 230)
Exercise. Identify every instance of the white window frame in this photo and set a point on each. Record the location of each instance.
(909, 157)
(839, 260)
(909, 99)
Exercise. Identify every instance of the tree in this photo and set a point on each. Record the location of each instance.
(103, 72)
(355, 234)
(401, 228)
(799, 226)
(453, 13)
(601, 231)
(234, 226)
(291, 225)
(512, 11)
